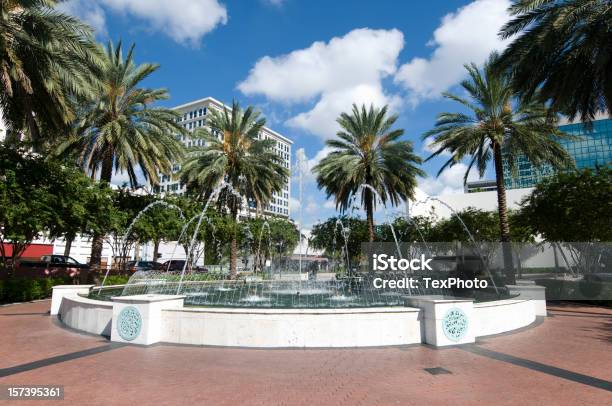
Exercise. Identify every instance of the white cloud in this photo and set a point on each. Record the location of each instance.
(329, 204)
(450, 181)
(430, 149)
(333, 74)
(311, 206)
(294, 204)
(321, 120)
(467, 35)
(182, 20)
(309, 175)
(88, 11)
(275, 3)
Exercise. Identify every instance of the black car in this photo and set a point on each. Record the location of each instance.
(173, 265)
(176, 265)
(143, 266)
(55, 261)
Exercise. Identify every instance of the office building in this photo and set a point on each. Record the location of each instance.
(590, 148)
(193, 116)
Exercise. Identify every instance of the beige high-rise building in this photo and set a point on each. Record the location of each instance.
(193, 116)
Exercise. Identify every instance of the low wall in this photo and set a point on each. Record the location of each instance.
(161, 318)
(267, 328)
(502, 316)
(91, 316)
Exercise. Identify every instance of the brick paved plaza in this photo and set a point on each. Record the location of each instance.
(564, 360)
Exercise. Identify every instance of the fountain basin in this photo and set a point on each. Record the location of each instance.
(155, 318)
(275, 294)
(277, 328)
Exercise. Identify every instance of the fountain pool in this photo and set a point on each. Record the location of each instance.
(281, 313)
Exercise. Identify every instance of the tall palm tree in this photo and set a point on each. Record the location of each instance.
(564, 51)
(120, 131)
(233, 152)
(497, 122)
(368, 152)
(46, 60)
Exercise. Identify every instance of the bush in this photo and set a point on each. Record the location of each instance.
(27, 289)
(116, 280)
(597, 293)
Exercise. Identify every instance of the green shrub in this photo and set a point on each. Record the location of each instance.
(116, 280)
(26, 289)
(23, 290)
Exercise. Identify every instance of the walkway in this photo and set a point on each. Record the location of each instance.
(564, 361)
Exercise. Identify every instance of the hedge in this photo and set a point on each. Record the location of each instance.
(116, 280)
(26, 289)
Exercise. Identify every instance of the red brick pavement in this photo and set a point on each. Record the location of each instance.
(564, 361)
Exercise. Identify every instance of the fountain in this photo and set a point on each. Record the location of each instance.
(213, 196)
(467, 230)
(345, 232)
(353, 311)
(265, 225)
(135, 220)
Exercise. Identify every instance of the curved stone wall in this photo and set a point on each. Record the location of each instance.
(293, 327)
(502, 316)
(435, 320)
(90, 316)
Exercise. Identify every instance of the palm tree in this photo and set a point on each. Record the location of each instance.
(564, 51)
(46, 60)
(368, 152)
(497, 122)
(233, 152)
(119, 131)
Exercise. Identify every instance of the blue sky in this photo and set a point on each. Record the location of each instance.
(303, 62)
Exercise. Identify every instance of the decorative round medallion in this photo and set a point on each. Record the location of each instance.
(455, 324)
(129, 323)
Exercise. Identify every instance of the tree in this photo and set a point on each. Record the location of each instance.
(573, 209)
(234, 153)
(498, 121)
(564, 52)
(46, 60)
(118, 130)
(368, 152)
(25, 198)
(571, 206)
(483, 225)
(160, 223)
(120, 237)
(416, 229)
(280, 236)
(72, 208)
(330, 237)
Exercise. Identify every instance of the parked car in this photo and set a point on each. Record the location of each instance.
(176, 265)
(135, 266)
(173, 265)
(51, 265)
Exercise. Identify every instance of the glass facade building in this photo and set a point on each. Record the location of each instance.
(591, 148)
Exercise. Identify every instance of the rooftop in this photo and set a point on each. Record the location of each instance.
(208, 100)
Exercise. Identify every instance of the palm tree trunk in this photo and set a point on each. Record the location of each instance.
(504, 226)
(369, 213)
(98, 237)
(234, 242)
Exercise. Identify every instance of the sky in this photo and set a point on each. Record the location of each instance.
(302, 63)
